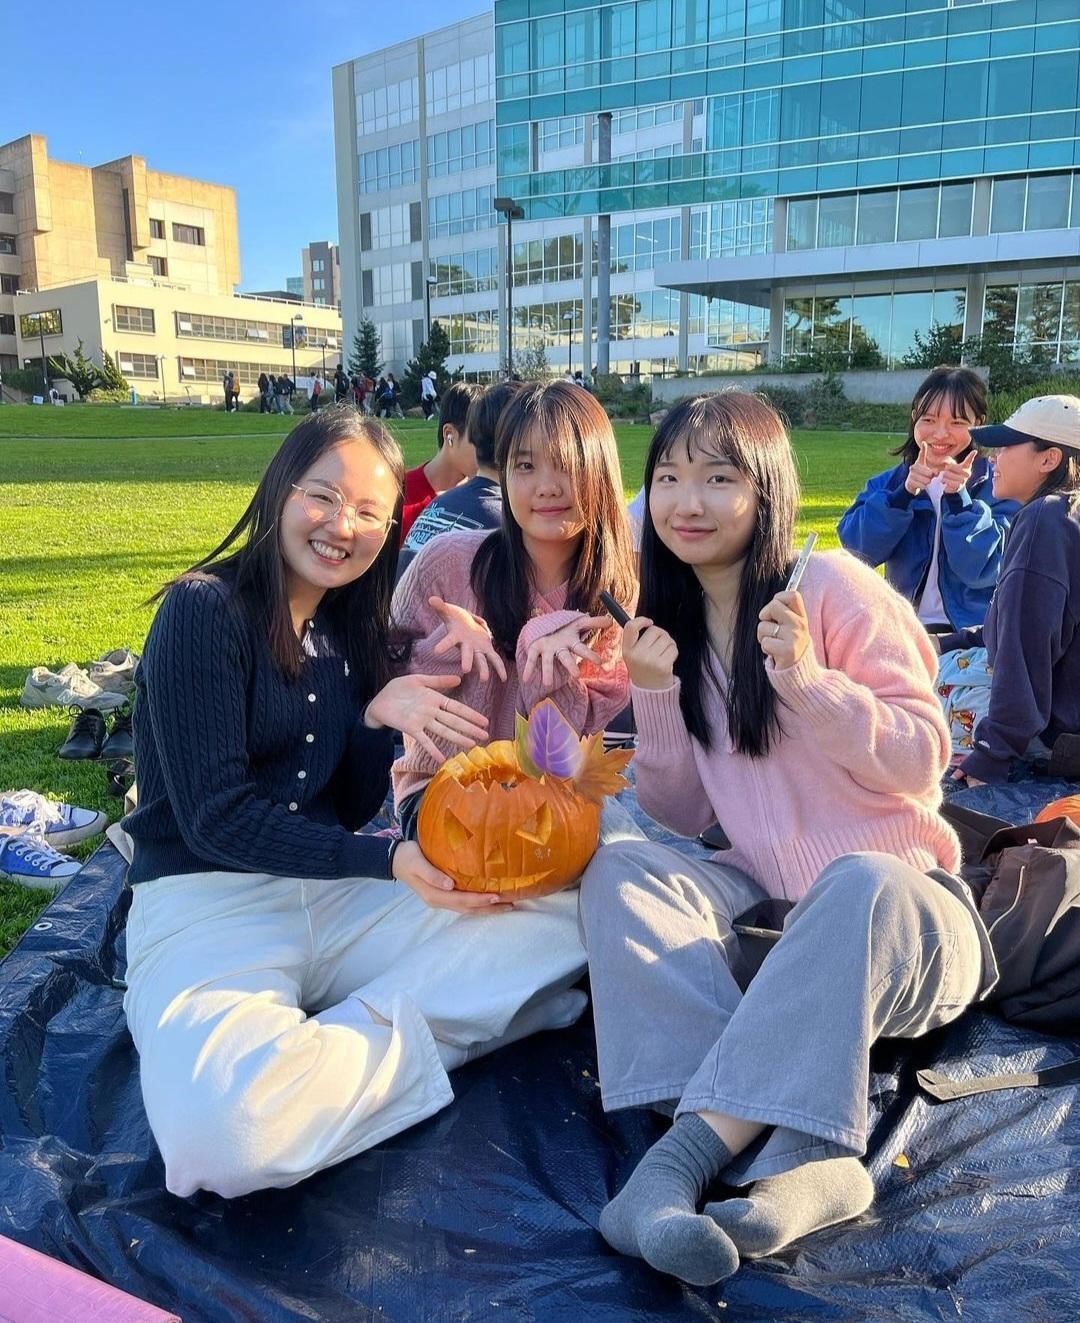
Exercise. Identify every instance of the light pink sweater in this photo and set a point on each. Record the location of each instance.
(589, 700)
(860, 761)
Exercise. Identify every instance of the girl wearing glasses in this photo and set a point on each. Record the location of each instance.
(291, 985)
(806, 722)
(934, 521)
(516, 612)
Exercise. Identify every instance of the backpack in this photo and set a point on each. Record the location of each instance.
(1026, 881)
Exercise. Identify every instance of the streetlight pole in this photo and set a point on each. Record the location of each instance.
(322, 346)
(509, 208)
(429, 281)
(296, 317)
(44, 365)
(161, 376)
(568, 318)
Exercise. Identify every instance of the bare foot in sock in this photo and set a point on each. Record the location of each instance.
(784, 1208)
(655, 1214)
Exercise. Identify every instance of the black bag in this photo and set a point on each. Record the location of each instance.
(1026, 882)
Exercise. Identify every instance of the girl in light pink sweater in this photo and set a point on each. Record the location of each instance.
(516, 612)
(806, 723)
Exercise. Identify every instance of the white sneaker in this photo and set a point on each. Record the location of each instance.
(114, 672)
(68, 687)
(32, 862)
(59, 824)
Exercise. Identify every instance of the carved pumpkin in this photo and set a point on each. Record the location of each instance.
(497, 818)
(1069, 807)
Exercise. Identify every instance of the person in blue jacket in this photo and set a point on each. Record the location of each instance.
(1032, 630)
(934, 521)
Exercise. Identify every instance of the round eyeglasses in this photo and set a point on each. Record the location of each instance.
(323, 504)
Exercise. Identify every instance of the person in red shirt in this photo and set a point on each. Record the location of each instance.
(454, 461)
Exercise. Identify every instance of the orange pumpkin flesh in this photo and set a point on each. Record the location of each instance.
(492, 828)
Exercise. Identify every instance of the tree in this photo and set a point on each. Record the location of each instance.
(940, 347)
(364, 361)
(531, 364)
(430, 357)
(111, 377)
(81, 371)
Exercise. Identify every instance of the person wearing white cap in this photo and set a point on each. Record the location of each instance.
(1032, 630)
(429, 395)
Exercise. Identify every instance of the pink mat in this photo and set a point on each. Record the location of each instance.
(37, 1289)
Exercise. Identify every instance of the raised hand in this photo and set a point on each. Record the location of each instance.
(420, 706)
(470, 634)
(564, 647)
(955, 474)
(650, 654)
(784, 632)
(921, 473)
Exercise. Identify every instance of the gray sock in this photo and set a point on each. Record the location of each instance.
(784, 1208)
(655, 1214)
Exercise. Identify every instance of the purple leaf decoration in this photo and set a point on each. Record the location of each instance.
(552, 743)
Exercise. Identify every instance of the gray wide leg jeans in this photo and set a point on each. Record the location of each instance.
(875, 949)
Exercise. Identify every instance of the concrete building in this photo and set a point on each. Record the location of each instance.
(708, 185)
(141, 264)
(322, 274)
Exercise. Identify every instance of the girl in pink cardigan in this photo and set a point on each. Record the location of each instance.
(806, 723)
(516, 612)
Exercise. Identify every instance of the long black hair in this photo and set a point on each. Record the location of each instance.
(748, 431)
(961, 389)
(359, 612)
(1065, 479)
(579, 436)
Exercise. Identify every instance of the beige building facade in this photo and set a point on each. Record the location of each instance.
(144, 265)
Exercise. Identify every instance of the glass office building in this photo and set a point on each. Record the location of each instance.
(781, 174)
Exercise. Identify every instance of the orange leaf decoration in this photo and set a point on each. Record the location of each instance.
(601, 773)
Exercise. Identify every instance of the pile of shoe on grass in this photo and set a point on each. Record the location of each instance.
(34, 830)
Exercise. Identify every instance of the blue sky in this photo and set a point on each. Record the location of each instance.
(238, 94)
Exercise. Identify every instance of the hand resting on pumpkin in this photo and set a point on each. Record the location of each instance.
(418, 706)
(436, 889)
(471, 635)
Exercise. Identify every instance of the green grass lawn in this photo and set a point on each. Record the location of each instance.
(99, 506)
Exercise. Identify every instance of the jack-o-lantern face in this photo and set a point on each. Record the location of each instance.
(493, 828)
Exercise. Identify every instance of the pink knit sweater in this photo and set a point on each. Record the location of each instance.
(860, 761)
(588, 701)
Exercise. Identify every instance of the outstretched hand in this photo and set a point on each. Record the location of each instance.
(565, 647)
(420, 706)
(471, 636)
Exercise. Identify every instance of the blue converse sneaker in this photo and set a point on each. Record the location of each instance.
(59, 824)
(32, 862)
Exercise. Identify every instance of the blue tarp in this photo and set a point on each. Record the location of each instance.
(488, 1211)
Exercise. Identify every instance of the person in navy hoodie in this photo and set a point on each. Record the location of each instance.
(1032, 631)
(934, 521)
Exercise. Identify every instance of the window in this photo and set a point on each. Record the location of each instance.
(466, 148)
(467, 273)
(568, 131)
(9, 284)
(1047, 202)
(456, 86)
(7, 204)
(7, 244)
(390, 226)
(213, 369)
(159, 266)
(472, 332)
(48, 322)
(133, 319)
(640, 246)
(194, 234)
(142, 366)
(390, 167)
(391, 283)
(877, 217)
(389, 106)
(157, 228)
(1007, 208)
(461, 213)
(7, 323)
(207, 326)
(836, 221)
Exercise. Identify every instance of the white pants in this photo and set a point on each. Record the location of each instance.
(248, 999)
